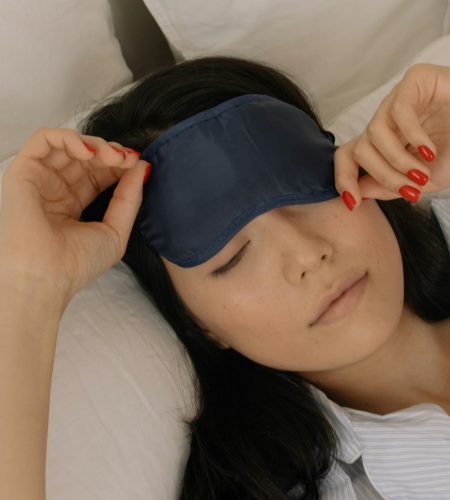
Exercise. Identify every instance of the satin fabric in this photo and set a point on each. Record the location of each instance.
(218, 169)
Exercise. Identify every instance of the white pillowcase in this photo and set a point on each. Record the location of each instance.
(354, 119)
(57, 58)
(120, 384)
(337, 50)
(119, 387)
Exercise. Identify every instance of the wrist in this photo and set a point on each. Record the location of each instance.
(35, 295)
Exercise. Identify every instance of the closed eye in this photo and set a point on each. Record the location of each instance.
(231, 263)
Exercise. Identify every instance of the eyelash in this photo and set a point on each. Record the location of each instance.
(230, 264)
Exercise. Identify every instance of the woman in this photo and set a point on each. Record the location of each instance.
(263, 364)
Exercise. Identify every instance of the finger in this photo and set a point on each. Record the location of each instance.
(28, 177)
(62, 158)
(346, 170)
(412, 95)
(130, 156)
(45, 140)
(29, 192)
(88, 188)
(376, 165)
(58, 159)
(29, 165)
(380, 132)
(369, 189)
(107, 154)
(102, 174)
(123, 208)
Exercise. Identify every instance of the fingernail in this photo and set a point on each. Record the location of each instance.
(121, 151)
(132, 151)
(147, 173)
(417, 176)
(348, 200)
(426, 152)
(90, 148)
(410, 193)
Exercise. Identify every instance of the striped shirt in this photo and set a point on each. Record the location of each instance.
(402, 455)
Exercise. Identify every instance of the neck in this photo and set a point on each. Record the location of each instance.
(412, 367)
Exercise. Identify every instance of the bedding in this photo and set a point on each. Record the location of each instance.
(120, 384)
(353, 120)
(338, 51)
(57, 58)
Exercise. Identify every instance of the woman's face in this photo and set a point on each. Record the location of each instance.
(263, 307)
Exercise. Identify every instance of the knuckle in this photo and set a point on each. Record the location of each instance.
(396, 161)
(400, 162)
(94, 181)
(41, 131)
(383, 178)
(397, 107)
(70, 132)
(358, 152)
(373, 129)
(417, 68)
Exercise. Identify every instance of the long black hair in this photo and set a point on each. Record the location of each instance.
(258, 431)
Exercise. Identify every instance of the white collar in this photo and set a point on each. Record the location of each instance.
(402, 452)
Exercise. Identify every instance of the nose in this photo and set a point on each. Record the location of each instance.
(301, 244)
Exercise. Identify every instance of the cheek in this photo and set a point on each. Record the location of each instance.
(242, 309)
(386, 260)
(258, 325)
(376, 320)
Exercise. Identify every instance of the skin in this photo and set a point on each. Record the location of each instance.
(263, 306)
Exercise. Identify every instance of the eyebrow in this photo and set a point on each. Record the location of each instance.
(231, 262)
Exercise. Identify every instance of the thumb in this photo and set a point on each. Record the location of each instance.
(124, 206)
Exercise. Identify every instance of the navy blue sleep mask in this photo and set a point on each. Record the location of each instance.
(217, 170)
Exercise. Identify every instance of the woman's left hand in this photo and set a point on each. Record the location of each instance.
(416, 113)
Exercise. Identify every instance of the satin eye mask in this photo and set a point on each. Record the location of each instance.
(215, 171)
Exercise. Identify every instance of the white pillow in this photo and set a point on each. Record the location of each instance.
(57, 58)
(120, 384)
(338, 50)
(353, 120)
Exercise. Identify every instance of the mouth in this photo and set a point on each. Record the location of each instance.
(342, 301)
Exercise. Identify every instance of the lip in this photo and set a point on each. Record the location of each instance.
(340, 301)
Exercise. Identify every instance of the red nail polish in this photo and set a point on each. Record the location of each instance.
(348, 200)
(417, 176)
(147, 173)
(120, 151)
(426, 153)
(90, 148)
(132, 151)
(410, 193)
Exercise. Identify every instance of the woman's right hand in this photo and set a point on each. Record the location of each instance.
(416, 113)
(57, 173)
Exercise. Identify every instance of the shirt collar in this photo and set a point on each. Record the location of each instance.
(350, 447)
